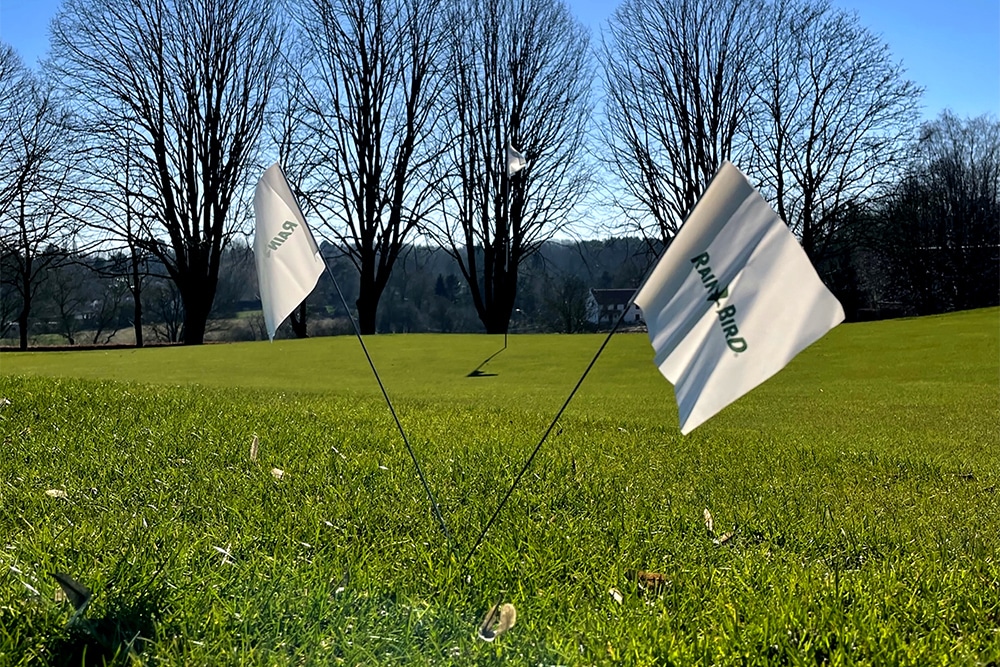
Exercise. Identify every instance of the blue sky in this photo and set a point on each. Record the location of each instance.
(952, 49)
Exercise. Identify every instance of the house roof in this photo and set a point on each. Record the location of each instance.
(612, 297)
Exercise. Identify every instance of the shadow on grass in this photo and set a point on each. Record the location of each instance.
(477, 372)
(112, 639)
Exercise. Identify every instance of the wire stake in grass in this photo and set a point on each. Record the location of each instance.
(504, 616)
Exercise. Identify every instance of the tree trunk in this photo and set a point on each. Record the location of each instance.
(367, 309)
(370, 288)
(197, 305)
(496, 325)
(137, 319)
(136, 290)
(22, 325)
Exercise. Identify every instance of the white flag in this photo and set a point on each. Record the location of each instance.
(515, 161)
(733, 299)
(288, 261)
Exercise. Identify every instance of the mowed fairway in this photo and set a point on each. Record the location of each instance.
(863, 483)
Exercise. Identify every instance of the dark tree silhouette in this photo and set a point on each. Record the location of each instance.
(367, 158)
(942, 221)
(519, 71)
(186, 84)
(833, 114)
(677, 84)
(35, 161)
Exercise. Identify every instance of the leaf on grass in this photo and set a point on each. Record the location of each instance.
(344, 581)
(55, 493)
(254, 448)
(616, 595)
(725, 538)
(497, 622)
(709, 525)
(227, 557)
(277, 473)
(651, 581)
(77, 594)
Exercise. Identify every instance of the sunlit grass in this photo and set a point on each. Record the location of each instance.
(860, 485)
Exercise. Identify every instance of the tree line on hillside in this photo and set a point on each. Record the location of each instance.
(86, 300)
(131, 156)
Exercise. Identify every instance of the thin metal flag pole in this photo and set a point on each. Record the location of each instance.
(506, 241)
(399, 425)
(406, 441)
(527, 464)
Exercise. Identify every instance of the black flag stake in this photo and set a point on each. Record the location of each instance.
(406, 441)
(527, 464)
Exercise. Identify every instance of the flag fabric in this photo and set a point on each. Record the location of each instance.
(733, 299)
(515, 161)
(287, 258)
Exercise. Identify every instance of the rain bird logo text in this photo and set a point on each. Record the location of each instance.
(716, 293)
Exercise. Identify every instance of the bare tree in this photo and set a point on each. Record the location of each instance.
(116, 207)
(566, 303)
(942, 221)
(677, 86)
(109, 293)
(35, 226)
(519, 72)
(834, 115)
(367, 99)
(167, 311)
(66, 298)
(185, 84)
(14, 83)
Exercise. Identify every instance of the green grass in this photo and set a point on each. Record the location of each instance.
(863, 480)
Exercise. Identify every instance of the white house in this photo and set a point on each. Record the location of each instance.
(604, 307)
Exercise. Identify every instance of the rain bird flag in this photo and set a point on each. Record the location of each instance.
(515, 161)
(733, 299)
(288, 261)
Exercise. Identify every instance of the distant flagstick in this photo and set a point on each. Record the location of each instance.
(296, 212)
(515, 163)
